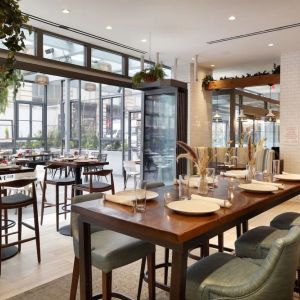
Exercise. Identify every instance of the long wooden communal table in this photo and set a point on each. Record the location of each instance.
(178, 232)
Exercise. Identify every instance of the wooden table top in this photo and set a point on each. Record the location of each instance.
(162, 226)
(78, 162)
(15, 170)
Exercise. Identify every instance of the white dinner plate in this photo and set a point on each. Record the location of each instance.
(288, 177)
(7, 167)
(150, 194)
(193, 207)
(258, 187)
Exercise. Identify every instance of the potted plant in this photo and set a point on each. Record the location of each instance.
(151, 74)
(12, 36)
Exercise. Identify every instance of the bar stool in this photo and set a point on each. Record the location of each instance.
(111, 250)
(96, 186)
(19, 201)
(62, 181)
(286, 220)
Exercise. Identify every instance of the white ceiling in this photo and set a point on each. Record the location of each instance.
(181, 28)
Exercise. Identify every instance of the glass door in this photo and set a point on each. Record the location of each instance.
(134, 135)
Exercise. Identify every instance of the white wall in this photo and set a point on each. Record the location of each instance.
(290, 108)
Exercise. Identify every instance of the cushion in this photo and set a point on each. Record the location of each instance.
(96, 185)
(219, 269)
(15, 199)
(286, 220)
(111, 250)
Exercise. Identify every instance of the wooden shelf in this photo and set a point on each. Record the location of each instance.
(244, 82)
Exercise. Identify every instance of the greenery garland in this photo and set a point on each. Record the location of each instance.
(12, 36)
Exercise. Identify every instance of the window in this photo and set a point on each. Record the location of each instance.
(63, 50)
(134, 66)
(107, 61)
(168, 73)
(29, 43)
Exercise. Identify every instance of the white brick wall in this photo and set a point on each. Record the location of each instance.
(199, 110)
(290, 108)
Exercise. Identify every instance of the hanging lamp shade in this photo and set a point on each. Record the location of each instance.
(270, 117)
(217, 117)
(90, 86)
(41, 79)
(242, 116)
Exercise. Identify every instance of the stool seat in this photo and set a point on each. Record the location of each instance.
(286, 220)
(61, 181)
(96, 185)
(111, 250)
(16, 199)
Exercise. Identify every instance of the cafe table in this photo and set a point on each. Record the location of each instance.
(13, 250)
(77, 165)
(177, 232)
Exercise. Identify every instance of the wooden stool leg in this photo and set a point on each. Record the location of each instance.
(166, 268)
(65, 201)
(43, 202)
(106, 285)
(6, 223)
(19, 228)
(205, 248)
(57, 206)
(36, 227)
(298, 281)
(221, 242)
(75, 279)
(151, 275)
(142, 272)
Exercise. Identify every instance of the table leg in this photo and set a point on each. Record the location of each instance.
(85, 266)
(78, 178)
(178, 276)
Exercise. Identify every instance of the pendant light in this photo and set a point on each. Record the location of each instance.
(90, 87)
(242, 117)
(217, 117)
(41, 79)
(270, 117)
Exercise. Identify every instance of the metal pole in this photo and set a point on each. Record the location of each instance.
(67, 117)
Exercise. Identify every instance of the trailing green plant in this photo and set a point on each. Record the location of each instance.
(11, 22)
(206, 80)
(151, 74)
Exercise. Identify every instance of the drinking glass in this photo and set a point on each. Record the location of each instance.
(184, 187)
(276, 166)
(140, 195)
(169, 197)
(210, 176)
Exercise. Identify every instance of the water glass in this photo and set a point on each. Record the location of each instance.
(210, 176)
(276, 166)
(168, 198)
(183, 187)
(140, 196)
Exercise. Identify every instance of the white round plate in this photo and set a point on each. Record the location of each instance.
(193, 207)
(150, 194)
(288, 177)
(258, 188)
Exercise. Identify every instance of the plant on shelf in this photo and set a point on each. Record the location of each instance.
(12, 36)
(206, 80)
(151, 74)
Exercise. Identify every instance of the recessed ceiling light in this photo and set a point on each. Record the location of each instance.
(212, 66)
(65, 11)
(193, 58)
(143, 40)
(271, 45)
(108, 27)
(231, 18)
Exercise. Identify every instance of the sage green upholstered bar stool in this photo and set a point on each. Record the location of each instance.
(224, 276)
(257, 242)
(111, 250)
(286, 220)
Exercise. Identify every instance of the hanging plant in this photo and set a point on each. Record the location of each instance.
(148, 75)
(12, 36)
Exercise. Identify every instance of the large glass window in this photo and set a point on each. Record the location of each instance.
(63, 50)
(107, 61)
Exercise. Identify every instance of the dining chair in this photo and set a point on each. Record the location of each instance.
(224, 276)
(130, 171)
(19, 201)
(96, 186)
(111, 250)
(57, 182)
(257, 242)
(286, 220)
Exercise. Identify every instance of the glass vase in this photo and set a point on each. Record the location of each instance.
(203, 185)
(250, 172)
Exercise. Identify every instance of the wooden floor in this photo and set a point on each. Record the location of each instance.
(22, 272)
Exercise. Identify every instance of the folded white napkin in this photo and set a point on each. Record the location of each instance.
(193, 182)
(279, 185)
(124, 200)
(221, 202)
(235, 173)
